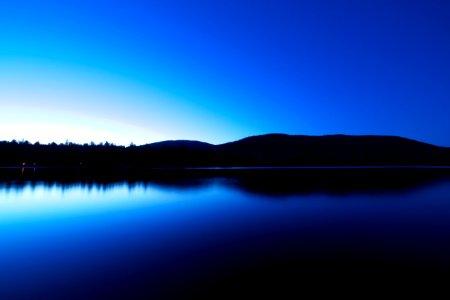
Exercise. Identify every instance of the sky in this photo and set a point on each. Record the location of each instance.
(217, 71)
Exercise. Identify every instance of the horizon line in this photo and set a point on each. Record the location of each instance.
(132, 144)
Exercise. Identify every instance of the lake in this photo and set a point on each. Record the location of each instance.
(215, 234)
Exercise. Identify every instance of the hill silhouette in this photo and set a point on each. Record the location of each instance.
(257, 151)
(332, 150)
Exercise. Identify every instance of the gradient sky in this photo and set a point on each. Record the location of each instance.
(144, 71)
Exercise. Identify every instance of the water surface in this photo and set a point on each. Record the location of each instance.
(212, 236)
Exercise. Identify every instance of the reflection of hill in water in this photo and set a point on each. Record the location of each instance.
(338, 181)
(269, 182)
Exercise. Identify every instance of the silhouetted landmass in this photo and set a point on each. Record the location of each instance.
(272, 150)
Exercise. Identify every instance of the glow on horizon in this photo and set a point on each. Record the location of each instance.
(51, 103)
(47, 127)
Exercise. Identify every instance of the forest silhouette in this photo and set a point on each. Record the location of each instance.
(271, 150)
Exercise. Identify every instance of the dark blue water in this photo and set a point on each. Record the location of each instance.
(212, 236)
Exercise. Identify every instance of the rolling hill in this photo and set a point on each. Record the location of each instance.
(264, 150)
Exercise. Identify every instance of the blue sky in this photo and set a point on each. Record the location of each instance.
(143, 71)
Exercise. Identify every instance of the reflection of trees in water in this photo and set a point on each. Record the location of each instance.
(271, 182)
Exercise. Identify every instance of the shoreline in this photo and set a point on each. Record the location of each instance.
(350, 167)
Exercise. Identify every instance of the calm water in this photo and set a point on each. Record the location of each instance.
(216, 236)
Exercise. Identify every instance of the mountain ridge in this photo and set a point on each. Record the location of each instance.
(274, 149)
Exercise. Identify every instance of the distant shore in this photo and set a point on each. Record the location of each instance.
(271, 151)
